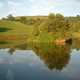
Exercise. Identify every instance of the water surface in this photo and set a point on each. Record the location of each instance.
(40, 61)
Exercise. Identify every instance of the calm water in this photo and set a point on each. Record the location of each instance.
(21, 61)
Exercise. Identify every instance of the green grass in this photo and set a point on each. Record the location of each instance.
(3, 42)
(21, 30)
(19, 33)
(76, 34)
(17, 28)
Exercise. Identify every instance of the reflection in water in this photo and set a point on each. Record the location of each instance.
(22, 46)
(11, 51)
(47, 61)
(55, 57)
(10, 75)
(76, 44)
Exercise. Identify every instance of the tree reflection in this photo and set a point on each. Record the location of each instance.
(22, 46)
(55, 57)
(76, 44)
(11, 51)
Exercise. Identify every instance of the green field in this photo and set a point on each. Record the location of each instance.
(16, 28)
(39, 28)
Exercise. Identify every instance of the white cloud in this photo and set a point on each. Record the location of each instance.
(1, 4)
(16, 8)
(41, 7)
(40, 10)
(35, 7)
(11, 7)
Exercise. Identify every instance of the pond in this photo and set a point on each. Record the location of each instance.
(39, 61)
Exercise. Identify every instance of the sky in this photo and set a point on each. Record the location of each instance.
(39, 7)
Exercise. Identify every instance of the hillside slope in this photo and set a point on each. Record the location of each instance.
(15, 28)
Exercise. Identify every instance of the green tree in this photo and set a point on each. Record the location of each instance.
(10, 17)
(23, 20)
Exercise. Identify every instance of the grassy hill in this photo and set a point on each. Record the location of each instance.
(39, 28)
(15, 28)
(13, 33)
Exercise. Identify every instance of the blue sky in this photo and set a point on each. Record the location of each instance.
(39, 7)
